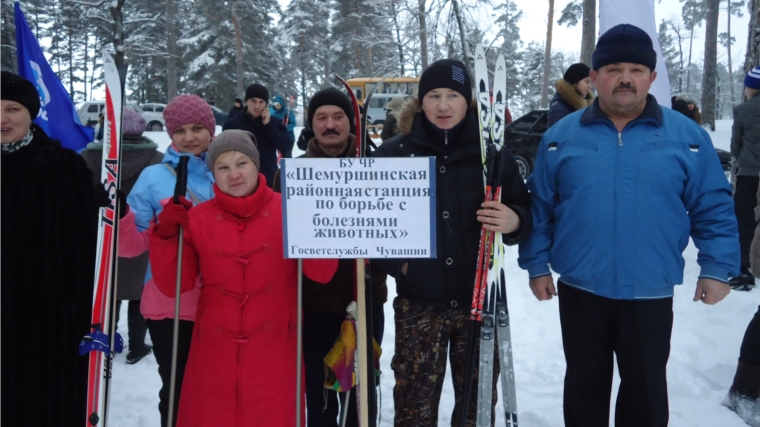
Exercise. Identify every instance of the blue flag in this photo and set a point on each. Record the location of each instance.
(58, 117)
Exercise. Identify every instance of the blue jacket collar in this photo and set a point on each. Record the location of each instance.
(652, 112)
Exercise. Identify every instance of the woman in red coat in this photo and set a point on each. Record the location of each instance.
(241, 370)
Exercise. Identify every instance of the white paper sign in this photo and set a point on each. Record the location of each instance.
(358, 207)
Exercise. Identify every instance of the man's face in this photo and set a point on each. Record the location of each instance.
(255, 106)
(331, 128)
(622, 88)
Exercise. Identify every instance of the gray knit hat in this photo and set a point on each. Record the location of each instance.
(233, 140)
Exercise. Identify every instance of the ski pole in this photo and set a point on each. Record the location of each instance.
(299, 345)
(179, 190)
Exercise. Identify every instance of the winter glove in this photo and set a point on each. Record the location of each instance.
(172, 217)
(100, 197)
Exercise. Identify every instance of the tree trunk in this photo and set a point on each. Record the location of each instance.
(460, 23)
(753, 37)
(547, 58)
(688, 64)
(730, 66)
(118, 31)
(423, 33)
(84, 62)
(171, 50)
(398, 37)
(238, 53)
(709, 80)
(588, 35)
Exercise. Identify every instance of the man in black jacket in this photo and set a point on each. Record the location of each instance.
(435, 295)
(271, 135)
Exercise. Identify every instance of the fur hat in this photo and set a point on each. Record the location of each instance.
(446, 73)
(132, 123)
(576, 73)
(18, 89)
(257, 91)
(751, 80)
(187, 109)
(624, 43)
(233, 140)
(330, 96)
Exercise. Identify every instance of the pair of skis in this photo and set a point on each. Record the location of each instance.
(366, 399)
(489, 315)
(102, 342)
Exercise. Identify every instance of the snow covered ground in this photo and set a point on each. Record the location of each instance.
(705, 347)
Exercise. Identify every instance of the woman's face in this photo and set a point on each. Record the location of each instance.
(444, 107)
(16, 121)
(584, 86)
(191, 138)
(236, 174)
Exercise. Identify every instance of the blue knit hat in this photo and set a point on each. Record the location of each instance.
(624, 43)
(752, 79)
(447, 73)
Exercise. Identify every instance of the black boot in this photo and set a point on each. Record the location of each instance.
(743, 282)
(135, 355)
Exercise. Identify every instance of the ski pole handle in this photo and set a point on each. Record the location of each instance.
(180, 188)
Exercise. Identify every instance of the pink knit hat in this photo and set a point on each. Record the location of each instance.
(188, 109)
(132, 123)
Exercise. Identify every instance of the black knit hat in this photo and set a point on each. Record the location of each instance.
(257, 91)
(331, 96)
(448, 73)
(18, 89)
(576, 73)
(624, 43)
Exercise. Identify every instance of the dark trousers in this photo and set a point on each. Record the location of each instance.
(745, 200)
(750, 350)
(637, 332)
(319, 333)
(161, 332)
(136, 326)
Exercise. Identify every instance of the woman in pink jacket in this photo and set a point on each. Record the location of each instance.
(191, 125)
(242, 366)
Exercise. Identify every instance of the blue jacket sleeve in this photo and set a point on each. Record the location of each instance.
(534, 253)
(140, 199)
(714, 230)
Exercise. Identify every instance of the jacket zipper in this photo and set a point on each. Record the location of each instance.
(617, 207)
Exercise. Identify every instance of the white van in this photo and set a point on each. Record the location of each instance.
(90, 110)
(376, 110)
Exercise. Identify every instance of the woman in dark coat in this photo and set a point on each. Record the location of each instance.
(573, 93)
(49, 223)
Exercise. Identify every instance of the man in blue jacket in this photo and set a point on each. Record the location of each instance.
(271, 135)
(617, 191)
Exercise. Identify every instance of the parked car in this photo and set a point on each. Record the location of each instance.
(376, 111)
(154, 115)
(219, 115)
(90, 110)
(523, 136)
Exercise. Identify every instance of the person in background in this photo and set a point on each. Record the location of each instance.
(682, 107)
(744, 393)
(236, 109)
(390, 126)
(693, 108)
(281, 112)
(745, 147)
(138, 153)
(617, 191)
(271, 135)
(573, 93)
(242, 365)
(49, 233)
(434, 295)
(211, 101)
(325, 306)
(190, 124)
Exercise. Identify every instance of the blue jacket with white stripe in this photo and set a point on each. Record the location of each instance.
(613, 211)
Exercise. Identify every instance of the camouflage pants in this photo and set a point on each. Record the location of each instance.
(423, 337)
